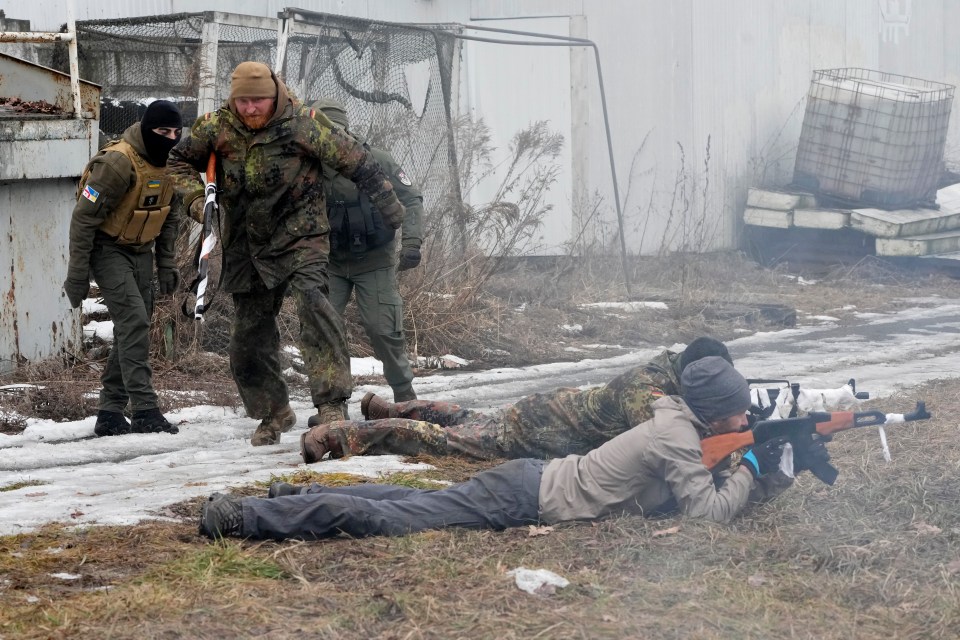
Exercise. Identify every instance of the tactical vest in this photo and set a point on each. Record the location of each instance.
(356, 226)
(139, 216)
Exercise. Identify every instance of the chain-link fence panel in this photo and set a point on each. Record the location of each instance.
(394, 79)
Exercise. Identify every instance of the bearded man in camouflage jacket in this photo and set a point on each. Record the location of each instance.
(269, 150)
(543, 425)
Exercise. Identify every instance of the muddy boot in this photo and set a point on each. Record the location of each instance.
(373, 407)
(317, 442)
(445, 414)
(404, 396)
(151, 421)
(329, 412)
(270, 428)
(221, 516)
(111, 423)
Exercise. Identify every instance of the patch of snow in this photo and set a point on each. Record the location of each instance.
(90, 305)
(102, 329)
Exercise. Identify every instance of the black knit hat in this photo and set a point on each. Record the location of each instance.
(701, 348)
(714, 390)
(161, 113)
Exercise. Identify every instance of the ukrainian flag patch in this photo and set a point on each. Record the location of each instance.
(153, 184)
(90, 193)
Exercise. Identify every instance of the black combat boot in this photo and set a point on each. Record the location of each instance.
(111, 423)
(151, 421)
(221, 516)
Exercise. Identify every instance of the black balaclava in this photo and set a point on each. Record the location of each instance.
(160, 113)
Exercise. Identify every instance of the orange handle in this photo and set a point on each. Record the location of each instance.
(212, 168)
(839, 421)
(716, 448)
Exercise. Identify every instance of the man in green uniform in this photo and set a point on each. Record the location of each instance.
(543, 425)
(269, 148)
(122, 216)
(363, 258)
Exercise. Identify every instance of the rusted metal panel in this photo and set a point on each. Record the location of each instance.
(33, 82)
(42, 152)
(37, 149)
(35, 318)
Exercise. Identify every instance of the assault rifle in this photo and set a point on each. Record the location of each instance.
(768, 401)
(801, 433)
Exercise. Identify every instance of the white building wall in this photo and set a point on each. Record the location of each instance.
(737, 72)
(677, 72)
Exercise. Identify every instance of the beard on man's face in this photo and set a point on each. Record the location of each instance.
(255, 123)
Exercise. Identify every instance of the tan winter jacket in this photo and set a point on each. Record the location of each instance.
(654, 464)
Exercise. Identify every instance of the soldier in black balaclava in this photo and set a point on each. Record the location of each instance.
(122, 217)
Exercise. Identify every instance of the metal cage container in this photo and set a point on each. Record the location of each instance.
(873, 139)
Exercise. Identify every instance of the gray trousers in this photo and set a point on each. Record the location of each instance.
(504, 496)
(381, 313)
(125, 279)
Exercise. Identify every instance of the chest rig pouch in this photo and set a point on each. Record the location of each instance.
(139, 216)
(356, 226)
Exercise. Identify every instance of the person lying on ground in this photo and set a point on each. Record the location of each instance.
(652, 468)
(542, 425)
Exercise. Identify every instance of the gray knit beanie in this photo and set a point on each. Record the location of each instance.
(713, 389)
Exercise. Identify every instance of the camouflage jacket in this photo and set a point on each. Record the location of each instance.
(273, 210)
(566, 421)
(111, 175)
(343, 195)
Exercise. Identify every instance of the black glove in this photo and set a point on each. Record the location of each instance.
(810, 456)
(169, 279)
(409, 258)
(764, 458)
(77, 290)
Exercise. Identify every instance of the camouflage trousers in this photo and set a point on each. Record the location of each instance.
(422, 426)
(255, 345)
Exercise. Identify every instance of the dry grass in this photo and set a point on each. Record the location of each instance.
(875, 556)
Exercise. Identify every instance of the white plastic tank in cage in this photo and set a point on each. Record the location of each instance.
(873, 139)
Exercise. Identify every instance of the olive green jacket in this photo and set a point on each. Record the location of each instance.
(110, 174)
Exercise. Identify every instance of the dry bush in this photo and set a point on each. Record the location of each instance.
(55, 391)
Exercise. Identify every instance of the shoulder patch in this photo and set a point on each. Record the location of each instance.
(90, 193)
(402, 177)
